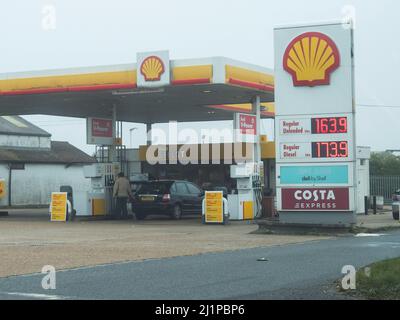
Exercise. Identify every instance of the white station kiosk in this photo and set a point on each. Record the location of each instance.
(315, 124)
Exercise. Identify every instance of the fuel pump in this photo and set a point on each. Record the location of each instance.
(246, 202)
(258, 186)
(98, 201)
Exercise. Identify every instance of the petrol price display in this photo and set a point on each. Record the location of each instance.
(318, 138)
(329, 125)
(330, 149)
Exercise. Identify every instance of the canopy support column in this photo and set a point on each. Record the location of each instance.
(113, 149)
(256, 104)
(148, 133)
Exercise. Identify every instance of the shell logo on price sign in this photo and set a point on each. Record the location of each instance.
(214, 212)
(311, 58)
(59, 206)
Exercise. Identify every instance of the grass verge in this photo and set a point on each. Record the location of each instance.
(380, 281)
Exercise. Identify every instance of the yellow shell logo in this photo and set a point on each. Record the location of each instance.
(152, 68)
(311, 58)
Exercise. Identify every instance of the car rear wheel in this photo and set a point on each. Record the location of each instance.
(140, 216)
(176, 212)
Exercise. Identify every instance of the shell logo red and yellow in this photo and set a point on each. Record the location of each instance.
(311, 58)
(152, 68)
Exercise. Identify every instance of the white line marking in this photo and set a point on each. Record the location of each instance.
(35, 295)
(360, 235)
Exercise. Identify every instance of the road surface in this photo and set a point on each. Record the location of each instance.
(300, 271)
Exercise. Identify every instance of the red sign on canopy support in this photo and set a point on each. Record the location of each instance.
(102, 128)
(247, 124)
(100, 131)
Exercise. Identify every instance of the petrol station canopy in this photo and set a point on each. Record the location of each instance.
(180, 90)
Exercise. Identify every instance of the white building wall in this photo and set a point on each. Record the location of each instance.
(16, 141)
(34, 185)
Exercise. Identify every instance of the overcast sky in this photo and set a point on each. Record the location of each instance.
(103, 32)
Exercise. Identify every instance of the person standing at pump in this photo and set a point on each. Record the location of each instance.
(121, 192)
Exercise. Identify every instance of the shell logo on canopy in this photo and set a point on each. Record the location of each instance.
(311, 58)
(152, 68)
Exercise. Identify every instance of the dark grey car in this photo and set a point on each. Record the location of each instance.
(170, 197)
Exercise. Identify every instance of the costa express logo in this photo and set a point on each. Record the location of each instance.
(152, 68)
(311, 58)
(316, 199)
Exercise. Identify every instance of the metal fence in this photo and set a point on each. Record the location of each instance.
(384, 186)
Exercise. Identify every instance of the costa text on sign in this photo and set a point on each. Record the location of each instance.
(313, 199)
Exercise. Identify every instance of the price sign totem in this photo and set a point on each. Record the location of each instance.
(315, 124)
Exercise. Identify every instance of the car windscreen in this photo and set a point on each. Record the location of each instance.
(158, 188)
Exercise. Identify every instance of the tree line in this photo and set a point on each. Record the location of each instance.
(384, 164)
